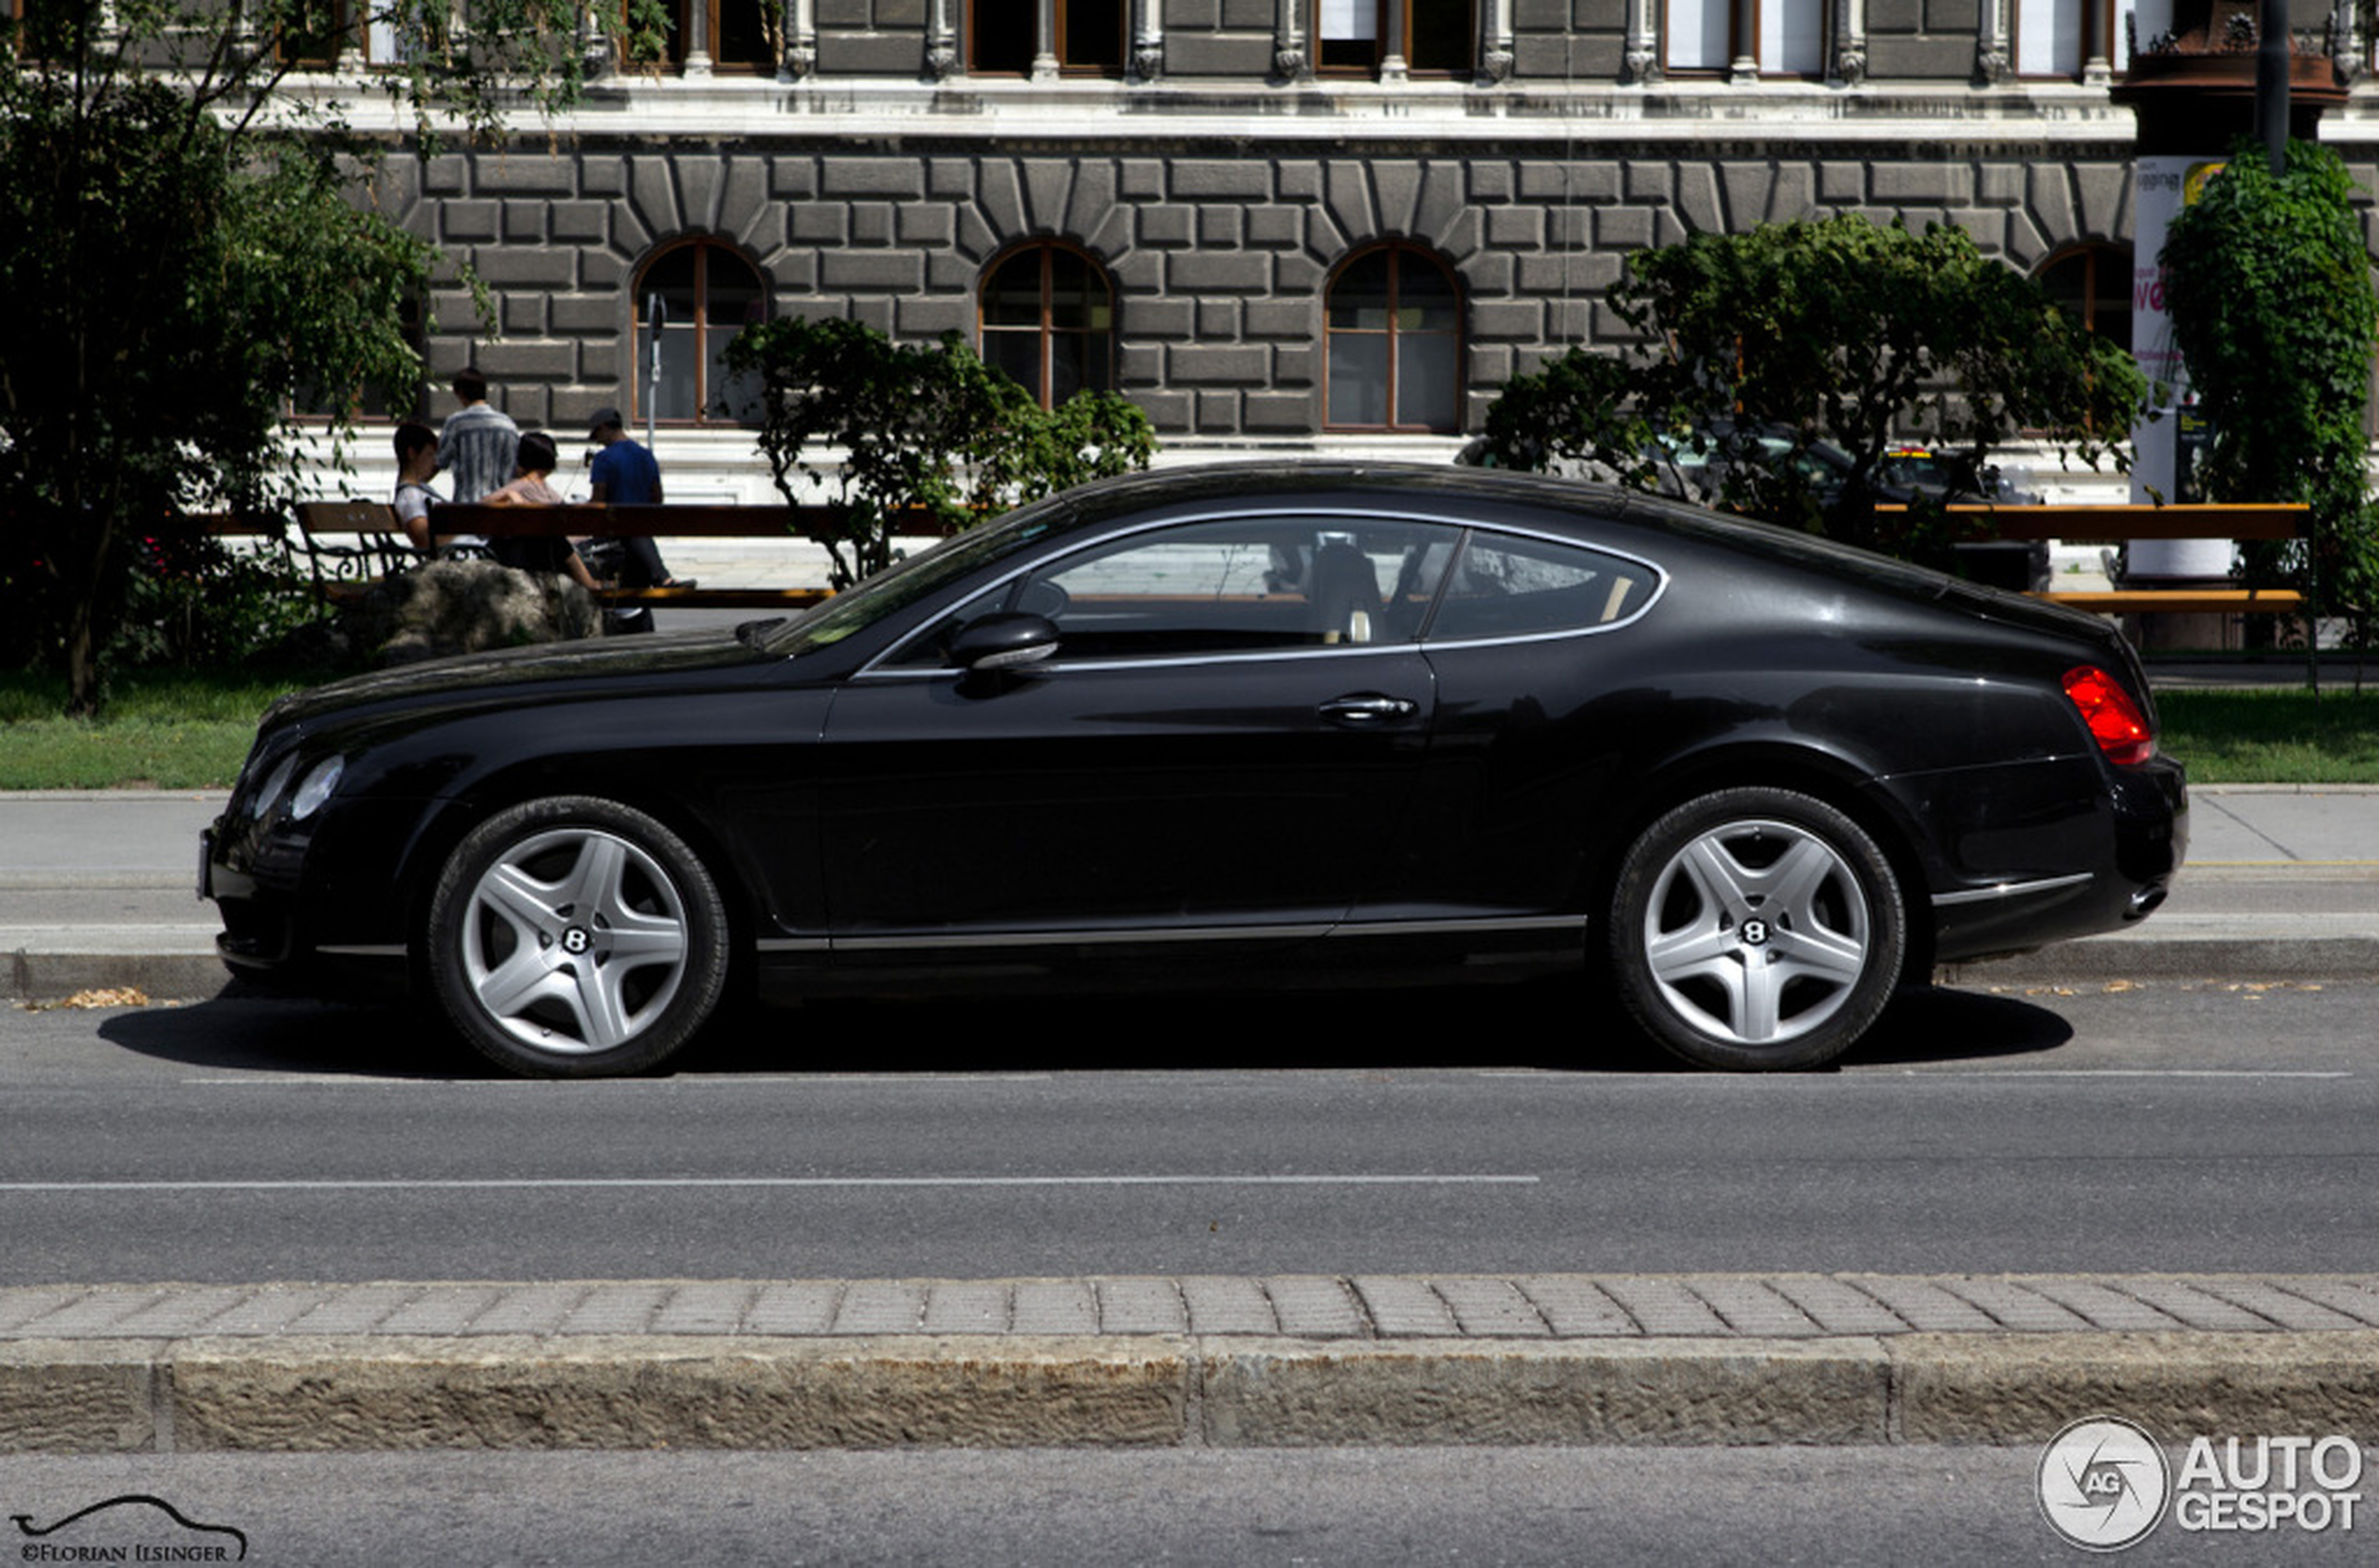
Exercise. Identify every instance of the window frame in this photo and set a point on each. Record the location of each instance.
(1734, 47)
(921, 653)
(1466, 66)
(1398, 251)
(354, 26)
(1046, 332)
(2100, 29)
(765, 64)
(1056, 46)
(704, 246)
(2099, 259)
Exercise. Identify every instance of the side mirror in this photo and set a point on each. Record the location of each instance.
(1003, 642)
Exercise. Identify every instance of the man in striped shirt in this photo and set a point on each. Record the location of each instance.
(479, 445)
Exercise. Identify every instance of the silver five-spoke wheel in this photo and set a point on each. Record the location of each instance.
(1756, 928)
(576, 935)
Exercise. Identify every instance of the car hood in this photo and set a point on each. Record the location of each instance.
(605, 658)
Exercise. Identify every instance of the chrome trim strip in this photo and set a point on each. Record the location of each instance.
(1187, 934)
(876, 670)
(1054, 664)
(1427, 927)
(1080, 938)
(364, 949)
(2011, 890)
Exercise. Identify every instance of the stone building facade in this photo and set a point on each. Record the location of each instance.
(1300, 224)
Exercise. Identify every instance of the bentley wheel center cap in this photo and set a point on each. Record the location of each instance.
(1755, 933)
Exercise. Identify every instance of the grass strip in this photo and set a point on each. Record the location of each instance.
(166, 730)
(2273, 736)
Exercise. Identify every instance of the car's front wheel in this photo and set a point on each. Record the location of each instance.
(574, 936)
(1756, 928)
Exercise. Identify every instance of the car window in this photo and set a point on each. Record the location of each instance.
(1505, 585)
(1250, 584)
(920, 576)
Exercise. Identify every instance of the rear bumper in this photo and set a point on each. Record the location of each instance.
(2091, 860)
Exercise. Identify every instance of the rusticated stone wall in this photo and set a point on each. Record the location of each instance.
(1220, 255)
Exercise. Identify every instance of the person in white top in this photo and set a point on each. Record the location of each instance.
(415, 462)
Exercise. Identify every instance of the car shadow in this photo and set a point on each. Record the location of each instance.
(1943, 1023)
(1565, 1026)
(240, 1030)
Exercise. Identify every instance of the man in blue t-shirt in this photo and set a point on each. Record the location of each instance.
(625, 473)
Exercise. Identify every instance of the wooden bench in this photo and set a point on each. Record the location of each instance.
(340, 570)
(2129, 523)
(667, 519)
(343, 570)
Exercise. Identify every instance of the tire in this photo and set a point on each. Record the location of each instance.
(1756, 928)
(576, 938)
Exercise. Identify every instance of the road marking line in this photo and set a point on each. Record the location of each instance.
(743, 1080)
(514, 1183)
(2117, 1073)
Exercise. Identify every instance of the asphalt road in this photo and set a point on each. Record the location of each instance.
(1773, 1507)
(2144, 1127)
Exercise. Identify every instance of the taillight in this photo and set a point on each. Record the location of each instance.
(2115, 721)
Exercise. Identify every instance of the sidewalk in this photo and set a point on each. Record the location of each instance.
(96, 890)
(1203, 1362)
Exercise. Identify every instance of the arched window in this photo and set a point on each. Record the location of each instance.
(1394, 322)
(2092, 284)
(1049, 321)
(697, 295)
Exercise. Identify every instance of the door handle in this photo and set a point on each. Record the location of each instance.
(1364, 709)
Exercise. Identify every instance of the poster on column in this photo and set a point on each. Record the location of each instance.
(2163, 186)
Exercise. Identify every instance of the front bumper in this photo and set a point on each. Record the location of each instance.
(289, 924)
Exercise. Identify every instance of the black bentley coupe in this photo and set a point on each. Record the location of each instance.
(1258, 724)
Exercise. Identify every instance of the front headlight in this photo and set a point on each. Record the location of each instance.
(269, 793)
(315, 788)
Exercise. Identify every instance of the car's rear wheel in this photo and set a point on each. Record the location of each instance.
(1756, 928)
(574, 936)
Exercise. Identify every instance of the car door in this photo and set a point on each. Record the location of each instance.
(1224, 742)
(1538, 711)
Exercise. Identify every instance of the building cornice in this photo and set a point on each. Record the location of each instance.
(1174, 114)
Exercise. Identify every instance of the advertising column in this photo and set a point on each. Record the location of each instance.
(2166, 449)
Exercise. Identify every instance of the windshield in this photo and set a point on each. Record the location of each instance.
(905, 583)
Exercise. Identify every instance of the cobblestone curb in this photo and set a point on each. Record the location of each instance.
(1198, 1361)
(340, 1392)
(1297, 1306)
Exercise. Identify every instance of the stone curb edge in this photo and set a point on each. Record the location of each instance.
(2164, 957)
(595, 1392)
(164, 976)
